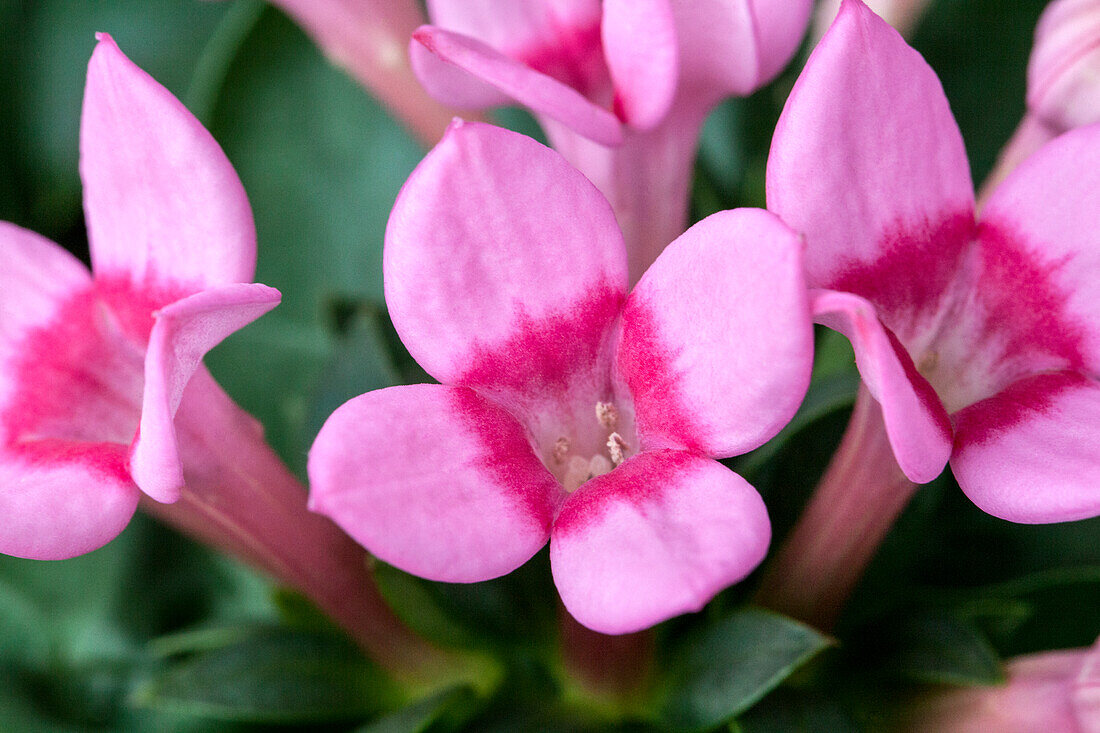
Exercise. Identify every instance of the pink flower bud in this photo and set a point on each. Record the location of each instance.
(1063, 76)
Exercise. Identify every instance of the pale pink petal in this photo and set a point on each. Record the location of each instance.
(504, 267)
(162, 202)
(182, 334)
(63, 499)
(658, 536)
(435, 480)
(514, 27)
(543, 94)
(868, 163)
(1085, 696)
(1042, 226)
(450, 84)
(718, 48)
(780, 26)
(1029, 453)
(717, 340)
(1063, 73)
(642, 51)
(916, 423)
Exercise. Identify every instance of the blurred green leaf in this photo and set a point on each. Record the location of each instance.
(940, 648)
(795, 713)
(443, 711)
(723, 669)
(273, 677)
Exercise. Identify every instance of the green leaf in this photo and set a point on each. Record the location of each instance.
(723, 669)
(273, 677)
(445, 709)
(940, 648)
(795, 713)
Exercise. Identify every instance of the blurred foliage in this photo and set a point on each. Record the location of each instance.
(154, 633)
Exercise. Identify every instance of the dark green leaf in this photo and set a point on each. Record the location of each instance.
(273, 677)
(723, 669)
(940, 648)
(444, 710)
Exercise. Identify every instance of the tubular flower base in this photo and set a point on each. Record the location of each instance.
(569, 411)
(621, 88)
(1056, 692)
(980, 341)
(104, 401)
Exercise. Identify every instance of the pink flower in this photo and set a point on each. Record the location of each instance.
(980, 340)
(568, 410)
(93, 368)
(1063, 75)
(621, 88)
(1054, 692)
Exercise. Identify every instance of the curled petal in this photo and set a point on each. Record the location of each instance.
(516, 28)
(504, 267)
(435, 480)
(916, 423)
(656, 537)
(62, 499)
(543, 94)
(639, 40)
(182, 334)
(1029, 453)
(717, 338)
(1043, 226)
(162, 201)
(879, 184)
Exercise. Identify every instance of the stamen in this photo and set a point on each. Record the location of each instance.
(616, 448)
(607, 415)
(561, 450)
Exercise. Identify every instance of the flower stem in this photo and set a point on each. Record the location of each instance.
(241, 499)
(857, 501)
(611, 671)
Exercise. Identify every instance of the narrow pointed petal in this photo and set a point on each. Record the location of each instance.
(879, 184)
(717, 341)
(1029, 453)
(63, 499)
(435, 480)
(504, 267)
(182, 334)
(916, 423)
(658, 536)
(539, 92)
(780, 26)
(1043, 220)
(642, 51)
(162, 202)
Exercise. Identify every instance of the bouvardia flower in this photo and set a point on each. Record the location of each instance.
(568, 410)
(981, 340)
(93, 367)
(621, 87)
(1063, 74)
(1055, 692)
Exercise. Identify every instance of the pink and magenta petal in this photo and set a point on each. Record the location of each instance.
(62, 499)
(435, 480)
(868, 163)
(916, 423)
(1029, 453)
(657, 537)
(642, 51)
(504, 267)
(717, 338)
(182, 334)
(516, 28)
(539, 92)
(163, 203)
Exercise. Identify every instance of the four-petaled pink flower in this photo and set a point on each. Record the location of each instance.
(620, 86)
(93, 368)
(980, 340)
(568, 411)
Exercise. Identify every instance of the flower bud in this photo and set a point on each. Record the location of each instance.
(1063, 75)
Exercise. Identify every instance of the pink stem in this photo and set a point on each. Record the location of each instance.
(611, 669)
(370, 38)
(241, 499)
(857, 501)
(1031, 135)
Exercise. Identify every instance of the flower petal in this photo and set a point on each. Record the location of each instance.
(639, 40)
(879, 184)
(62, 499)
(504, 267)
(1043, 221)
(435, 480)
(182, 334)
(718, 53)
(717, 341)
(162, 202)
(1029, 453)
(543, 94)
(658, 536)
(916, 423)
(780, 26)
(512, 27)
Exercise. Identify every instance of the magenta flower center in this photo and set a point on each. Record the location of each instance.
(594, 445)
